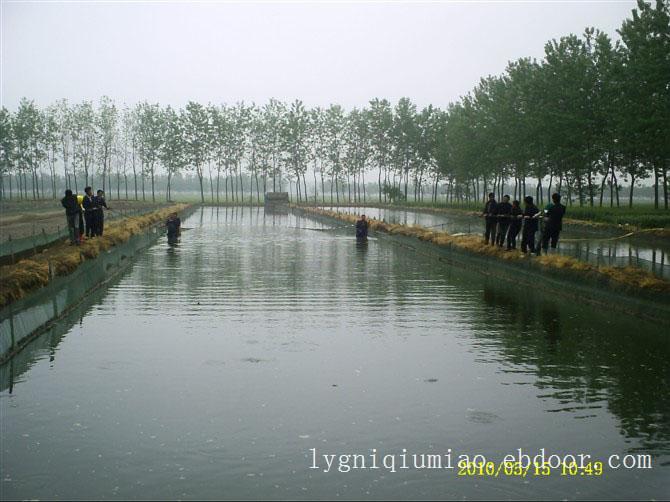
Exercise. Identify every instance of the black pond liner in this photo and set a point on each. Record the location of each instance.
(585, 288)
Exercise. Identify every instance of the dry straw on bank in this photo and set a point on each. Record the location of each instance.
(626, 277)
(62, 259)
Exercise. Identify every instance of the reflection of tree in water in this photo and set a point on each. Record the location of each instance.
(584, 356)
(580, 357)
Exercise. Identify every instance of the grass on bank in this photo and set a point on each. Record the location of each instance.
(61, 259)
(626, 277)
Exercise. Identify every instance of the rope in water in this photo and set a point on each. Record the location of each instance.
(629, 234)
(645, 230)
(322, 229)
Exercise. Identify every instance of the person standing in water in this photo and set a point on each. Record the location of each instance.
(362, 229)
(173, 225)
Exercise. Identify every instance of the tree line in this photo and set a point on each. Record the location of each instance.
(592, 115)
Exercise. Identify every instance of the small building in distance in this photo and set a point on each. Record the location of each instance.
(276, 202)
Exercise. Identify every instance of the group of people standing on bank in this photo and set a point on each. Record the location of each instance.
(85, 214)
(505, 221)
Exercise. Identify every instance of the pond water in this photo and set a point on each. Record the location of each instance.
(228, 365)
(595, 246)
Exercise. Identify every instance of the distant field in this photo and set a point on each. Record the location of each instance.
(19, 219)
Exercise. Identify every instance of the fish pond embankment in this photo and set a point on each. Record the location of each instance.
(36, 291)
(644, 223)
(259, 336)
(637, 291)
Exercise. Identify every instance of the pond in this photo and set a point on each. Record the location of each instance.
(601, 247)
(232, 364)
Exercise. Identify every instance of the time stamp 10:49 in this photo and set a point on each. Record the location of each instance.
(518, 469)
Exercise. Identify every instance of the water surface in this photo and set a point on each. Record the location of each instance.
(597, 246)
(210, 369)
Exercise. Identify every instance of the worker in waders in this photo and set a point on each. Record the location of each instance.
(490, 213)
(362, 229)
(173, 225)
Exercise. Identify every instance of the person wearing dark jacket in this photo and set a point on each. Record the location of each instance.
(69, 202)
(99, 213)
(89, 211)
(529, 225)
(504, 214)
(553, 222)
(362, 229)
(514, 226)
(173, 225)
(490, 211)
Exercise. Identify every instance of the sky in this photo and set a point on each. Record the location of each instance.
(321, 52)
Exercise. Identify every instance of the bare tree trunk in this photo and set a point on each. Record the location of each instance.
(202, 187)
(153, 191)
(323, 187)
(218, 182)
(665, 185)
(630, 192)
(239, 168)
(656, 178)
(258, 194)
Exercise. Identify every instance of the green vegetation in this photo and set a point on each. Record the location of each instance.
(589, 117)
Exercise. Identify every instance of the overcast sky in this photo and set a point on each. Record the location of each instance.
(320, 52)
